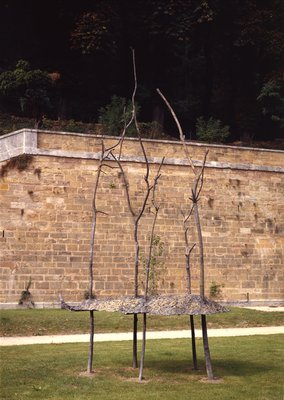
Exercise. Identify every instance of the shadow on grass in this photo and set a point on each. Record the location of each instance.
(221, 368)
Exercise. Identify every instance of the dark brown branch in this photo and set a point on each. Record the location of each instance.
(102, 212)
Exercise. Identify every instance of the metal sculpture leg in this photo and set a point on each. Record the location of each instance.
(206, 348)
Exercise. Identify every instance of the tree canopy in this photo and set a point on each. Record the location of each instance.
(217, 59)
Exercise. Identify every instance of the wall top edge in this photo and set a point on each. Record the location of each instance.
(24, 130)
(174, 142)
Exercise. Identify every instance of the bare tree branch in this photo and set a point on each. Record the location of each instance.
(195, 193)
(181, 134)
(156, 208)
(200, 177)
(125, 184)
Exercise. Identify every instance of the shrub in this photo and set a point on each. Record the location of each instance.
(151, 130)
(211, 130)
(28, 90)
(215, 290)
(157, 265)
(115, 114)
(271, 100)
(26, 297)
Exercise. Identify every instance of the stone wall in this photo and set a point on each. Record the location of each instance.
(46, 213)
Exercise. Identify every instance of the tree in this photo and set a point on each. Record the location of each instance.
(271, 100)
(26, 89)
(212, 57)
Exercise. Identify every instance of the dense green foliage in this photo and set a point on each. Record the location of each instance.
(26, 90)
(116, 115)
(271, 99)
(221, 59)
(248, 367)
(211, 131)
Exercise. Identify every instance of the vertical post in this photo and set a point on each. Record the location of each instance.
(91, 343)
(143, 347)
(193, 345)
(134, 357)
(206, 348)
(201, 249)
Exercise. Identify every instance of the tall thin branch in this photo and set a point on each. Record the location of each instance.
(148, 266)
(125, 184)
(105, 154)
(150, 248)
(91, 273)
(136, 214)
(181, 134)
(195, 191)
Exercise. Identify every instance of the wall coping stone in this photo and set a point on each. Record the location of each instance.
(24, 141)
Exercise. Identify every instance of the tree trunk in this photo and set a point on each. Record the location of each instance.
(201, 250)
(159, 115)
(143, 347)
(137, 251)
(135, 316)
(135, 325)
(206, 348)
(91, 344)
(193, 343)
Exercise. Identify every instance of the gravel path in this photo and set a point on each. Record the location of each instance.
(109, 337)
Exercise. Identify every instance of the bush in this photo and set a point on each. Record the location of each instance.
(115, 114)
(271, 100)
(211, 130)
(151, 130)
(26, 90)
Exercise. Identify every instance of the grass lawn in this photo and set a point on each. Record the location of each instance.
(28, 322)
(249, 367)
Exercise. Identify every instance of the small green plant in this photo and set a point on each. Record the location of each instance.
(112, 185)
(151, 130)
(20, 163)
(115, 114)
(157, 265)
(87, 296)
(215, 290)
(73, 126)
(26, 297)
(211, 130)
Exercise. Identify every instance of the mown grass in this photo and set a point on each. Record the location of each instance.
(249, 367)
(33, 322)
